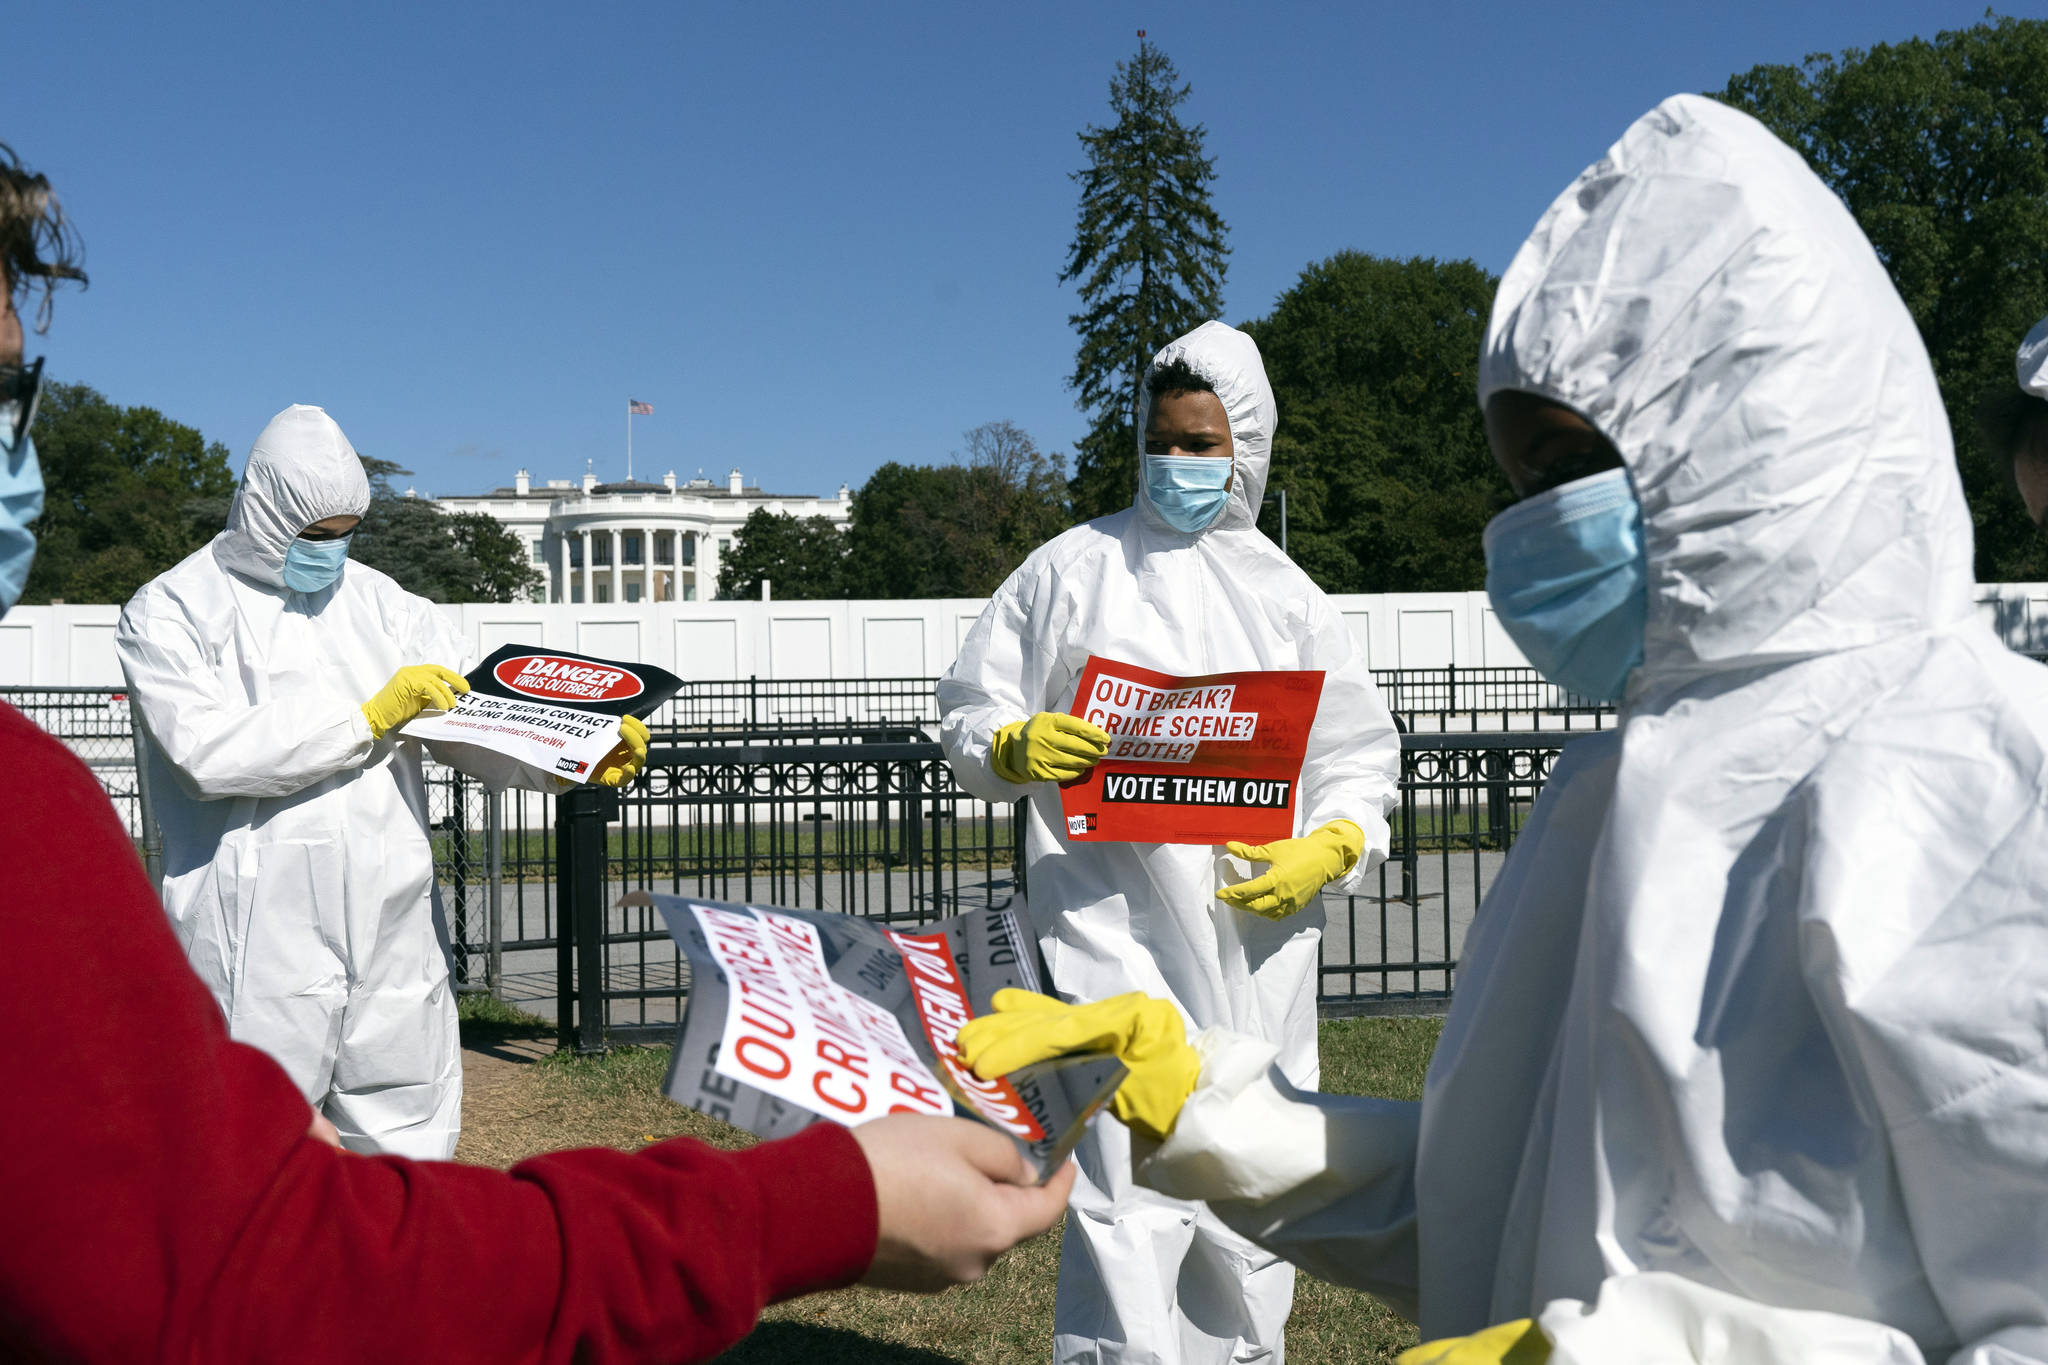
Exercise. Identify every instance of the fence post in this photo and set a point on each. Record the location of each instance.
(1018, 815)
(456, 825)
(913, 826)
(1411, 858)
(145, 811)
(1499, 813)
(494, 853)
(581, 817)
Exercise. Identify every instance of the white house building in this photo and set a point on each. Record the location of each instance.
(634, 541)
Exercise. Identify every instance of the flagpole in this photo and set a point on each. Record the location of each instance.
(629, 440)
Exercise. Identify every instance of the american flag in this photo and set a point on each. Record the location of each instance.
(638, 408)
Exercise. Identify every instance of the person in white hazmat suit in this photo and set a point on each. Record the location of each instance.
(296, 864)
(1748, 1058)
(1182, 582)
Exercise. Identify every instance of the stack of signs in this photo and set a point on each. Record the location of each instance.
(541, 718)
(1191, 760)
(800, 1015)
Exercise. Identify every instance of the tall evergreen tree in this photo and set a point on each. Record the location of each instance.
(1148, 253)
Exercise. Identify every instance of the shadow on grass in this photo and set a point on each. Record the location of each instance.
(803, 1343)
(491, 1026)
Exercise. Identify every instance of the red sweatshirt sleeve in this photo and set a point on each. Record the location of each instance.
(163, 1202)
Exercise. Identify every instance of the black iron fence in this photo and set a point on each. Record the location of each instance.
(834, 811)
(1457, 698)
(1422, 698)
(766, 709)
(93, 723)
(1393, 946)
(882, 831)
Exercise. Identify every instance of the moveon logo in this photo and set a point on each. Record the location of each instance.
(545, 676)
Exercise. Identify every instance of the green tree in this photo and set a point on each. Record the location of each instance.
(127, 494)
(504, 571)
(1940, 149)
(957, 529)
(803, 558)
(892, 543)
(1381, 448)
(465, 558)
(1149, 255)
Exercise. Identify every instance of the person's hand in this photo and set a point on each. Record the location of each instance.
(1297, 869)
(1145, 1033)
(624, 762)
(952, 1195)
(323, 1130)
(1050, 747)
(413, 689)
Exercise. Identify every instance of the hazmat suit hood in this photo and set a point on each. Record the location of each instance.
(302, 469)
(1229, 360)
(1701, 298)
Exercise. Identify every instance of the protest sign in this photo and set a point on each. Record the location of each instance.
(800, 1015)
(1200, 760)
(540, 718)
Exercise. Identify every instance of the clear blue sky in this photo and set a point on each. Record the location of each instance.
(816, 238)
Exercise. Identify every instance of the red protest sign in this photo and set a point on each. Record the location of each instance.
(1192, 760)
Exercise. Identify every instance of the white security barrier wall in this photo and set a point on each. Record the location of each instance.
(74, 646)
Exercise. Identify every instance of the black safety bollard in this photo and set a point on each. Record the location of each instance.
(581, 817)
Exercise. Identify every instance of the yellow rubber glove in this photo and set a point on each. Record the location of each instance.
(1146, 1035)
(1510, 1343)
(1297, 871)
(624, 762)
(413, 689)
(1050, 747)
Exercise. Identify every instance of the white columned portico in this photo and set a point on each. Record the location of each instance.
(690, 518)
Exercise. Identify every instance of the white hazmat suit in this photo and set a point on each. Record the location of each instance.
(296, 864)
(1144, 1278)
(1756, 1005)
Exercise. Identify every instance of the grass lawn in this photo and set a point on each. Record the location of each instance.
(514, 1111)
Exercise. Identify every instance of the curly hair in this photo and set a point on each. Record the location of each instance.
(38, 245)
(2014, 426)
(1176, 376)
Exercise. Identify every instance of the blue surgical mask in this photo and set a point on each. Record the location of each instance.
(310, 565)
(21, 502)
(1189, 491)
(1566, 574)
